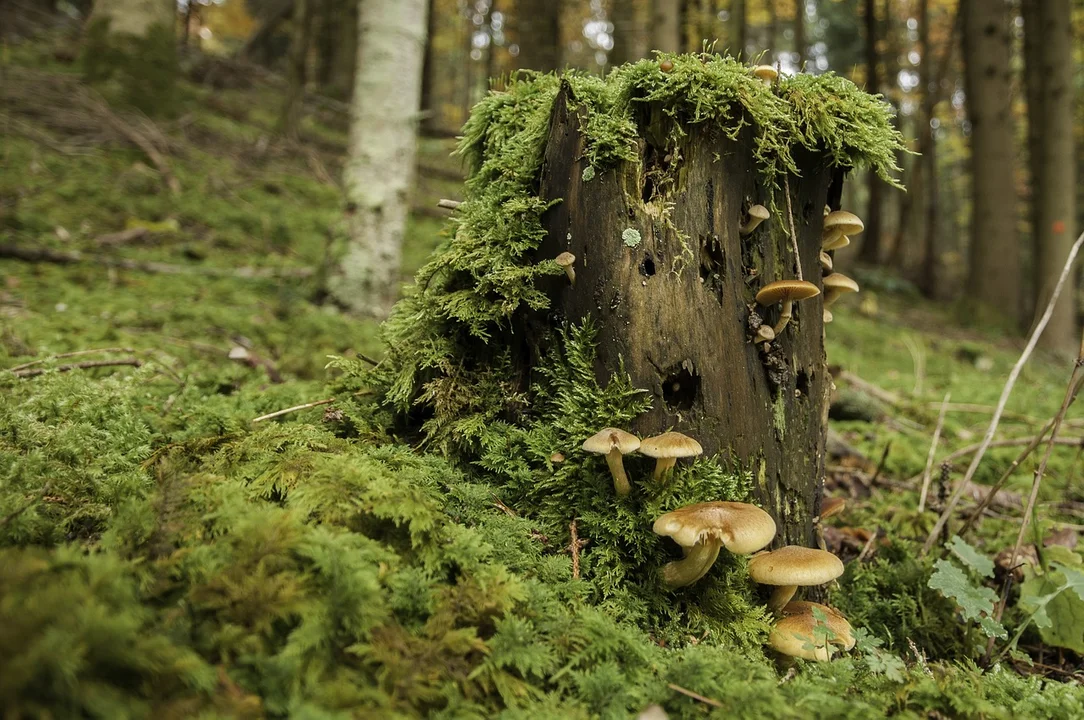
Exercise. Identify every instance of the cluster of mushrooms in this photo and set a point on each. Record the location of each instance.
(839, 225)
(803, 629)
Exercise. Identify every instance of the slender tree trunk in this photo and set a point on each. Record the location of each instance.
(768, 410)
(327, 44)
(799, 31)
(666, 25)
(1049, 75)
(297, 68)
(256, 48)
(870, 249)
(739, 28)
(773, 30)
(380, 166)
(341, 83)
(429, 72)
(993, 282)
(539, 33)
(929, 281)
(630, 31)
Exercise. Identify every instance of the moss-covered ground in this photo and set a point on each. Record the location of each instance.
(162, 554)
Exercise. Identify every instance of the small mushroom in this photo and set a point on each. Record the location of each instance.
(837, 223)
(565, 261)
(786, 292)
(835, 285)
(666, 66)
(765, 334)
(757, 215)
(704, 528)
(827, 317)
(614, 443)
(826, 261)
(557, 457)
(798, 633)
(765, 73)
(840, 242)
(831, 506)
(667, 448)
(790, 567)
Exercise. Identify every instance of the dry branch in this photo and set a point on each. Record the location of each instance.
(85, 365)
(76, 353)
(295, 408)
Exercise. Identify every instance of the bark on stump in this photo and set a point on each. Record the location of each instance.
(676, 311)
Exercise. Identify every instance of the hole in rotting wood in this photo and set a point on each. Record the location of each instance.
(807, 211)
(680, 388)
(647, 266)
(802, 384)
(712, 260)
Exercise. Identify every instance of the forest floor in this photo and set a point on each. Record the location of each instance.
(194, 294)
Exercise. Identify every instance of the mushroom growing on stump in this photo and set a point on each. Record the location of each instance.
(614, 443)
(829, 507)
(667, 448)
(757, 215)
(826, 261)
(837, 224)
(765, 335)
(790, 567)
(799, 633)
(786, 292)
(704, 528)
(565, 261)
(835, 285)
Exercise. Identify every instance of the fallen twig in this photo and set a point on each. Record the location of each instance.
(1004, 399)
(869, 388)
(1070, 394)
(85, 365)
(448, 204)
(793, 233)
(77, 353)
(694, 695)
(71, 257)
(1010, 442)
(295, 408)
(123, 237)
(926, 475)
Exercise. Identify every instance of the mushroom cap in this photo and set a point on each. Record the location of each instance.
(794, 565)
(841, 221)
(798, 628)
(825, 260)
(765, 72)
(840, 283)
(670, 445)
(565, 259)
(783, 290)
(742, 528)
(827, 316)
(765, 333)
(760, 212)
(609, 438)
(835, 243)
(832, 506)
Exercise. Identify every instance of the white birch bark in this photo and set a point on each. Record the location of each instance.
(135, 17)
(380, 166)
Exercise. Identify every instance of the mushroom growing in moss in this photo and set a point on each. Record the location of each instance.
(786, 292)
(757, 215)
(614, 444)
(765, 73)
(790, 567)
(799, 633)
(704, 528)
(667, 448)
(565, 261)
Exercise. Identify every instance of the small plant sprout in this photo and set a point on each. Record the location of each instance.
(765, 73)
(757, 215)
(667, 448)
(837, 224)
(835, 285)
(790, 567)
(614, 444)
(705, 528)
(811, 631)
(565, 261)
(786, 292)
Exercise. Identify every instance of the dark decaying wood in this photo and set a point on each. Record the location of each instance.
(677, 311)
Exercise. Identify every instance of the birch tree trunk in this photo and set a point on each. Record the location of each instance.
(380, 166)
(993, 282)
(1049, 76)
(666, 25)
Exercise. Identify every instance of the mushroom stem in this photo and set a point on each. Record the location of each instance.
(784, 316)
(662, 465)
(781, 596)
(696, 563)
(571, 275)
(617, 469)
(749, 226)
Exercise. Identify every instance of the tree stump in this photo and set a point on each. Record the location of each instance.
(673, 297)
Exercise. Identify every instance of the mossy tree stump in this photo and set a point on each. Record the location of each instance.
(674, 299)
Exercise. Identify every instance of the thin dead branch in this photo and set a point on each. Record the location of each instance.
(77, 353)
(869, 388)
(85, 365)
(1004, 399)
(927, 473)
(448, 204)
(295, 408)
(694, 695)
